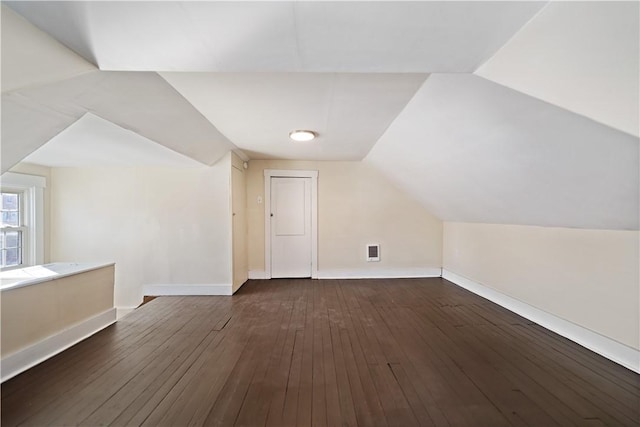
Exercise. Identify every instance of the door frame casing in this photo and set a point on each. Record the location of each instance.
(280, 173)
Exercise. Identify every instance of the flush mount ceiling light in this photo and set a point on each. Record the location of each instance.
(302, 135)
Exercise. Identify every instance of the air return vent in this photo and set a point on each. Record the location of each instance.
(373, 252)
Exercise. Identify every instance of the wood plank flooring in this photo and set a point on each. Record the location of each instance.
(402, 352)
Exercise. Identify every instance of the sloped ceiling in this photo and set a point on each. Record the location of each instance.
(349, 111)
(142, 102)
(31, 57)
(97, 142)
(472, 150)
(582, 56)
(43, 98)
(545, 132)
(289, 36)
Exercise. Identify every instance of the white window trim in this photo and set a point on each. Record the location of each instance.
(24, 228)
(33, 189)
(313, 174)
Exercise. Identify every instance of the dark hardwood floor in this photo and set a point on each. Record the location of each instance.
(325, 353)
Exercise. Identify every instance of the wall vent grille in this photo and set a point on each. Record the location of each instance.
(373, 252)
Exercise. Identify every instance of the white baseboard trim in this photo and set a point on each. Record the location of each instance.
(381, 273)
(184, 290)
(123, 311)
(28, 357)
(352, 273)
(611, 349)
(257, 275)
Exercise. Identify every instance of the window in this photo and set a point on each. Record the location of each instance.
(21, 230)
(14, 230)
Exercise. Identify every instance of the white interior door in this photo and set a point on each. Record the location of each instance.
(290, 227)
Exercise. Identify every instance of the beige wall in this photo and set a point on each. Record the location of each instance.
(239, 230)
(45, 172)
(356, 206)
(161, 226)
(588, 277)
(33, 313)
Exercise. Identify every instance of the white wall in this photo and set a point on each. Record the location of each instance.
(239, 208)
(356, 205)
(588, 277)
(161, 226)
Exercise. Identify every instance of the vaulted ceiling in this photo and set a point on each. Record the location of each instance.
(502, 112)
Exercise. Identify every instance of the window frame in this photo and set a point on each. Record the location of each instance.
(23, 228)
(31, 190)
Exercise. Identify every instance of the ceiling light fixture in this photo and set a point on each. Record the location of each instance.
(302, 135)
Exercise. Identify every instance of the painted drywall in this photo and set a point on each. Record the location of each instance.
(582, 56)
(588, 277)
(33, 313)
(472, 150)
(43, 171)
(350, 111)
(239, 222)
(282, 35)
(31, 57)
(96, 142)
(356, 206)
(141, 102)
(161, 226)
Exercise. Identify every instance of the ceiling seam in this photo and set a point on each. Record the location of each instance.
(558, 106)
(331, 98)
(49, 82)
(529, 21)
(197, 110)
(203, 40)
(427, 75)
(295, 31)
